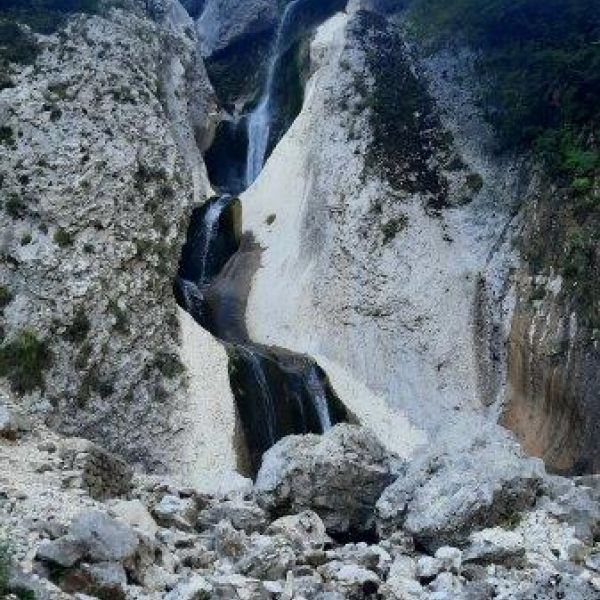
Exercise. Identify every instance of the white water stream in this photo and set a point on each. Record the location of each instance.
(259, 120)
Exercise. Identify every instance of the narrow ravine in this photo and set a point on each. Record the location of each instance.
(277, 392)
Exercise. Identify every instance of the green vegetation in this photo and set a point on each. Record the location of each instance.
(393, 227)
(5, 564)
(539, 64)
(23, 360)
(6, 297)
(15, 206)
(7, 135)
(169, 365)
(63, 238)
(46, 16)
(77, 331)
(18, 46)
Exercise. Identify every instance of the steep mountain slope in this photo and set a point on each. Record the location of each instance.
(101, 164)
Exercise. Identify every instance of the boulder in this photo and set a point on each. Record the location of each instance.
(104, 539)
(229, 543)
(226, 485)
(267, 558)
(495, 546)
(136, 515)
(352, 581)
(194, 588)
(63, 552)
(444, 496)
(102, 474)
(242, 514)
(173, 511)
(428, 568)
(106, 581)
(12, 423)
(339, 475)
(224, 22)
(8, 428)
(370, 557)
(238, 587)
(304, 531)
(97, 555)
(401, 583)
(450, 559)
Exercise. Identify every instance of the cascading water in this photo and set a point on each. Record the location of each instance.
(277, 392)
(259, 120)
(319, 394)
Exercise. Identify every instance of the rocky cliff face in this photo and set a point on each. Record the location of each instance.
(384, 228)
(100, 166)
(552, 396)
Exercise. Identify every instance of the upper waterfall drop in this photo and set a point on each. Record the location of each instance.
(259, 120)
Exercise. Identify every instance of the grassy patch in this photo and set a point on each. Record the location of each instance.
(406, 130)
(539, 65)
(23, 360)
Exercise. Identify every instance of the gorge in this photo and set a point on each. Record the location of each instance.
(298, 300)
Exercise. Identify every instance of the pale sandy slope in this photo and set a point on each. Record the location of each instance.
(394, 324)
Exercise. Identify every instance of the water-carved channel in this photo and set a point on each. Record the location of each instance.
(277, 392)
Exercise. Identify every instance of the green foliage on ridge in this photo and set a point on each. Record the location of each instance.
(539, 63)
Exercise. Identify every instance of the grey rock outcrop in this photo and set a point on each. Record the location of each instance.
(173, 511)
(225, 22)
(110, 547)
(443, 497)
(101, 177)
(242, 514)
(102, 474)
(339, 475)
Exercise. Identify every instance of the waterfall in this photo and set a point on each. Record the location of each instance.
(277, 392)
(268, 406)
(259, 120)
(211, 230)
(319, 398)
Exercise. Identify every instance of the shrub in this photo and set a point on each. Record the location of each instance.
(79, 327)
(45, 16)
(474, 182)
(6, 297)
(18, 46)
(15, 206)
(23, 360)
(393, 227)
(7, 136)
(63, 238)
(26, 239)
(169, 364)
(581, 185)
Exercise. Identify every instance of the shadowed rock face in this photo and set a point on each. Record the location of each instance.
(553, 381)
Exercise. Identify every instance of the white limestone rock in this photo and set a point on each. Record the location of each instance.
(339, 475)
